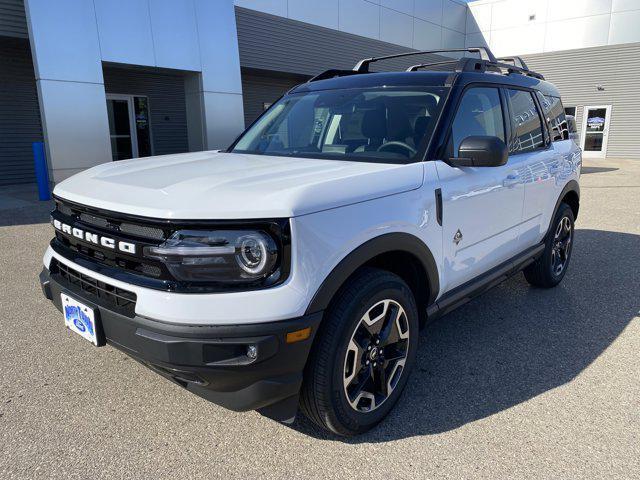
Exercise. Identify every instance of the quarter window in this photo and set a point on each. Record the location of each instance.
(479, 113)
(526, 122)
(555, 113)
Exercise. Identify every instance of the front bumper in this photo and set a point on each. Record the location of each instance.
(208, 360)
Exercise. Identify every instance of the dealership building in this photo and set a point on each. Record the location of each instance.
(106, 80)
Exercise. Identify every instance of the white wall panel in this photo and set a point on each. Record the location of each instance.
(426, 35)
(513, 13)
(564, 9)
(65, 43)
(124, 29)
(323, 13)
(452, 39)
(75, 125)
(273, 7)
(360, 17)
(430, 10)
(519, 40)
(625, 27)
(622, 5)
(479, 18)
(175, 35)
(454, 16)
(577, 33)
(396, 27)
(224, 119)
(404, 6)
(218, 42)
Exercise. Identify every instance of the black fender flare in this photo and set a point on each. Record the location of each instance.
(571, 186)
(388, 242)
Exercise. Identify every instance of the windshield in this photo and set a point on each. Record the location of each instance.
(385, 125)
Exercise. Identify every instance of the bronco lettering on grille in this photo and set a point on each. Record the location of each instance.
(94, 238)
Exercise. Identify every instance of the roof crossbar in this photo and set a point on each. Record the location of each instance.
(485, 54)
(515, 61)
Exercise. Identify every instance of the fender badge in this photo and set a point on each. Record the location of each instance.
(457, 238)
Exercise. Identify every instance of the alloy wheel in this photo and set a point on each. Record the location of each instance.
(376, 355)
(561, 247)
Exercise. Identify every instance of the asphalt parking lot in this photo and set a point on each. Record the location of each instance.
(520, 383)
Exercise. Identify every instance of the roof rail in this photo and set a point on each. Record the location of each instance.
(485, 54)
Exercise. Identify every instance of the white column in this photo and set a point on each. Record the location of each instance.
(220, 86)
(68, 69)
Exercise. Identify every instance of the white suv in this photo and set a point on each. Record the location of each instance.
(297, 267)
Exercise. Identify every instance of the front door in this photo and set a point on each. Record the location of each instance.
(482, 206)
(595, 131)
(128, 126)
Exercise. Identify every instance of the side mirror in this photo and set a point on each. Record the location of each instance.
(481, 151)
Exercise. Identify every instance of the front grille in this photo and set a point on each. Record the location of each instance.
(120, 299)
(152, 233)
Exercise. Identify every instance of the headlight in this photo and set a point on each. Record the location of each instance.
(226, 256)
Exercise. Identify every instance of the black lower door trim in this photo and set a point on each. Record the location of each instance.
(467, 291)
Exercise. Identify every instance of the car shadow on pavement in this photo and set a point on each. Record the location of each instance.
(515, 342)
(587, 170)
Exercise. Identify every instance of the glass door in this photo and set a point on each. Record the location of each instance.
(121, 122)
(129, 126)
(595, 131)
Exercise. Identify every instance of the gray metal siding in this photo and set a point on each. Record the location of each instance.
(577, 73)
(259, 88)
(268, 42)
(19, 112)
(167, 106)
(13, 21)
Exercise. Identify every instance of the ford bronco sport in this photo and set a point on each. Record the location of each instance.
(295, 268)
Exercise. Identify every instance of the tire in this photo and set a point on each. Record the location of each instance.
(545, 272)
(342, 359)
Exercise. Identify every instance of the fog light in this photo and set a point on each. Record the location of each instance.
(252, 352)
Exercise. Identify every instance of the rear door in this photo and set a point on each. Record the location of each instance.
(482, 206)
(538, 162)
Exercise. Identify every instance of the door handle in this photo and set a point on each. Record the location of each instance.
(510, 181)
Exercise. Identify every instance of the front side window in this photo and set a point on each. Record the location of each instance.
(555, 113)
(526, 121)
(385, 125)
(479, 114)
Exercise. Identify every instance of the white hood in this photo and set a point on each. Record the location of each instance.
(210, 185)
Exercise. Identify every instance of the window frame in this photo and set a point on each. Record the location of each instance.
(444, 146)
(543, 119)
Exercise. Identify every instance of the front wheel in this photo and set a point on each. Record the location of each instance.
(549, 270)
(363, 354)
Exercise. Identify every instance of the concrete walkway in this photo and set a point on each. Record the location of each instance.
(19, 205)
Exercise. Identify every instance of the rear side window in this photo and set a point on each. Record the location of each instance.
(479, 113)
(526, 122)
(554, 111)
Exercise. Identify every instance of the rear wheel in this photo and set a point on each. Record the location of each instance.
(363, 354)
(549, 270)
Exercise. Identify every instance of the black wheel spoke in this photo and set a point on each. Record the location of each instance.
(378, 346)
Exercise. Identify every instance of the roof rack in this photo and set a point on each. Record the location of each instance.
(363, 65)
(486, 62)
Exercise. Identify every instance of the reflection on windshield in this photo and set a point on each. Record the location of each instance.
(387, 125)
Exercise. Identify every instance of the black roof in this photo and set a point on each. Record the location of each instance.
(511, 71)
